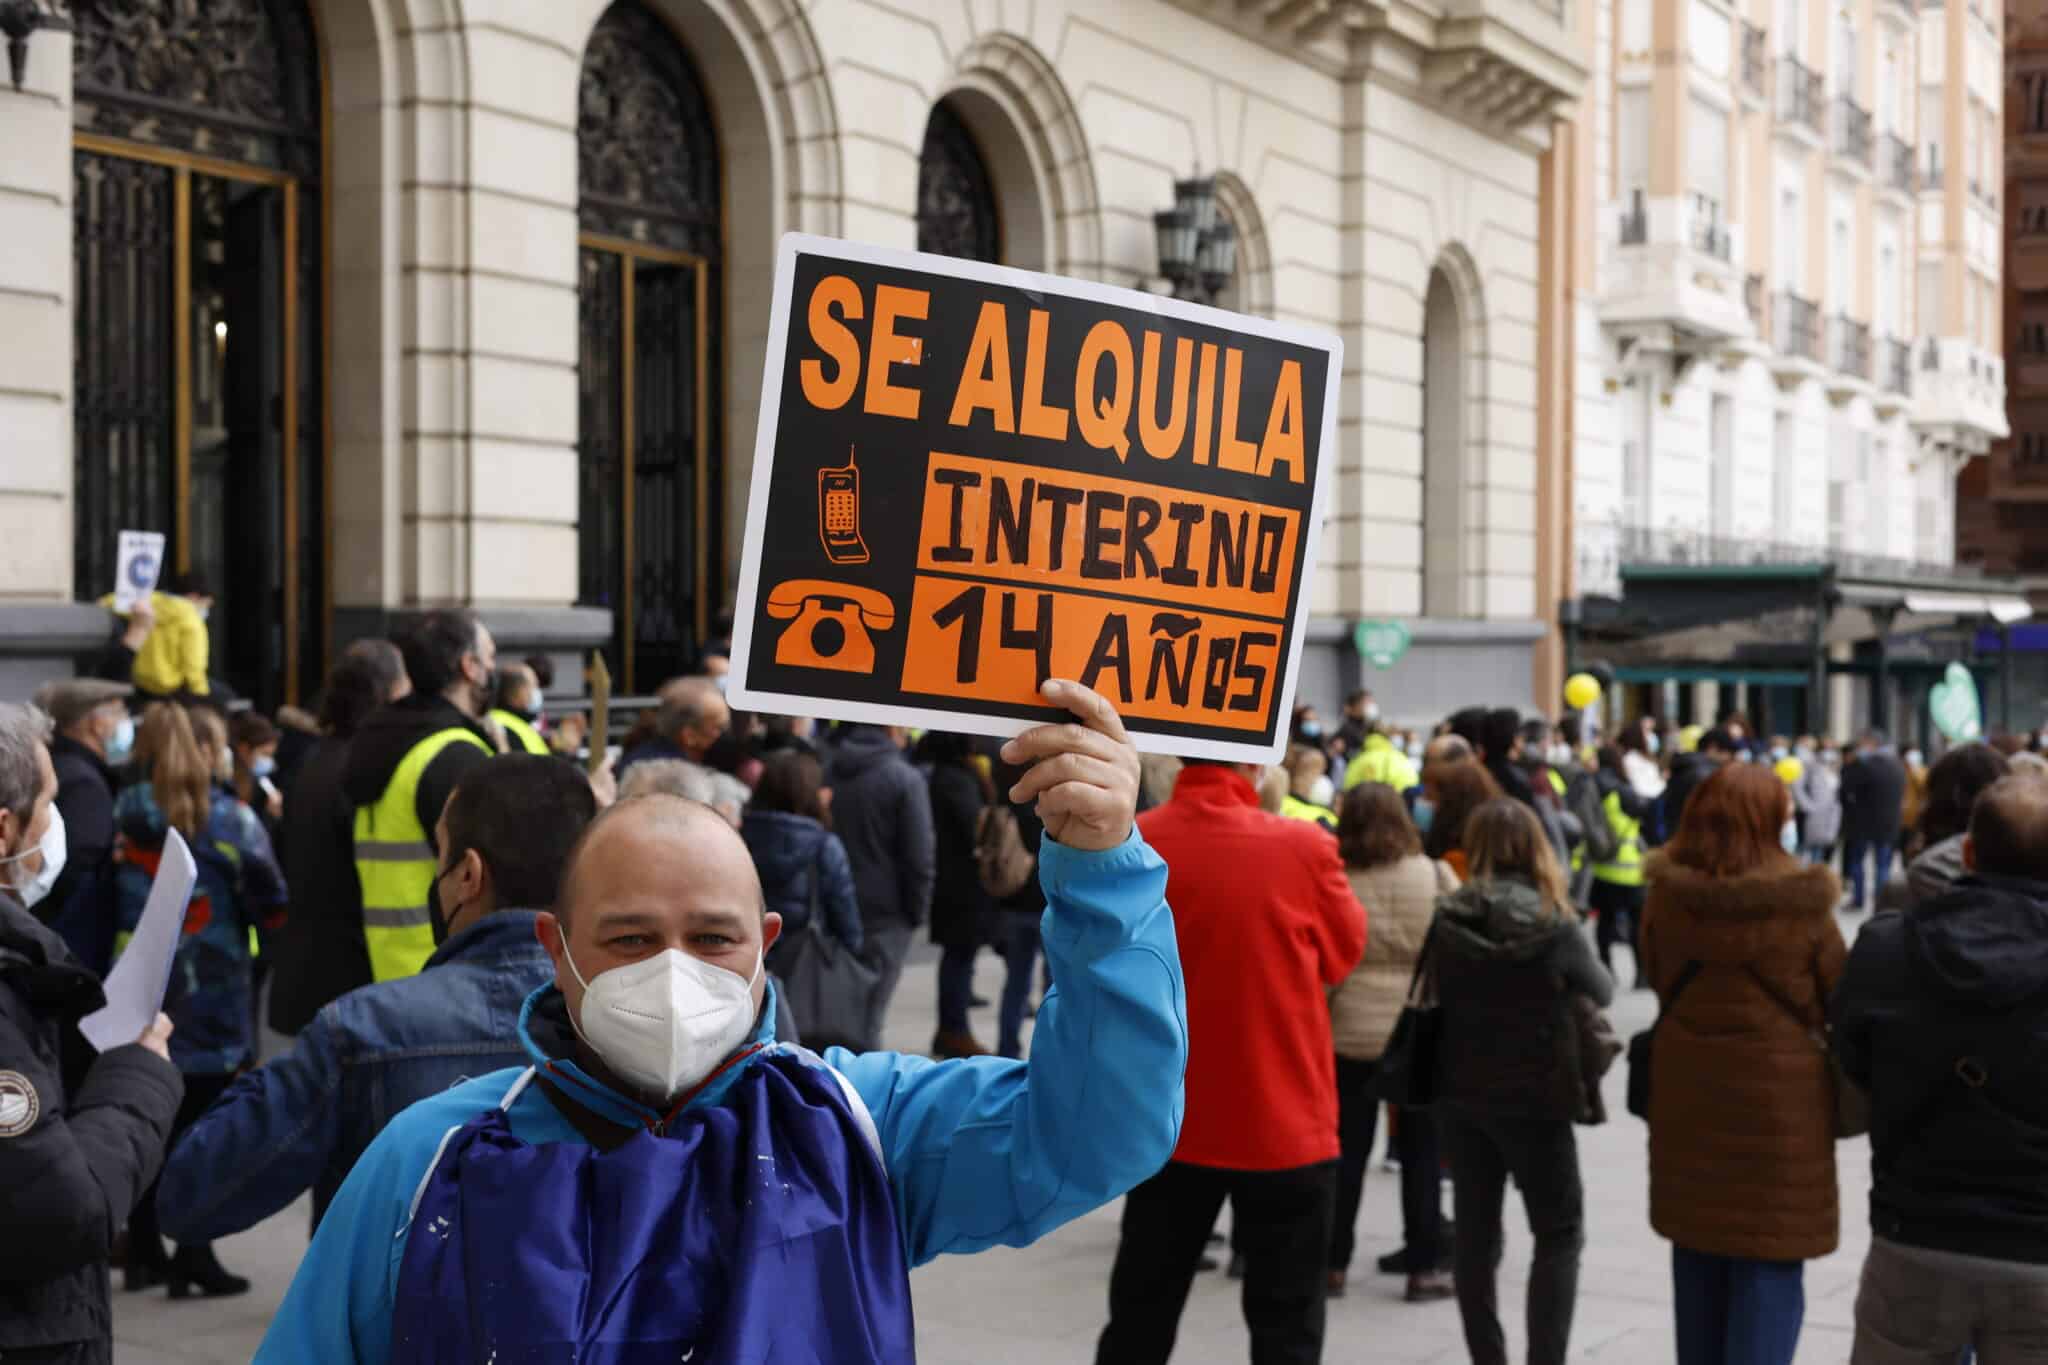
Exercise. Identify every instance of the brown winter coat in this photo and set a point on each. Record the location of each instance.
(1400, 901)
(1742, 1147)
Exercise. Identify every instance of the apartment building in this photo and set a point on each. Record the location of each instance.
(1790, 347)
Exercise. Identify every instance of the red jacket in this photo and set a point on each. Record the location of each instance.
(1266, 922)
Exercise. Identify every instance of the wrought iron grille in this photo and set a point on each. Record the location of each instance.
(234, 79)
(1896, 162)
(1801, 93)
(956, 201)
(1795, 330)
(1756, 61)
(125, 404)
(1849, 348)
(1898, 366)
(647, 150)
(1635, 221)
(665, 334)
(601, 440)
(1852, 130)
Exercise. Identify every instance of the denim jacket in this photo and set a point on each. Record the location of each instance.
(302, 1120)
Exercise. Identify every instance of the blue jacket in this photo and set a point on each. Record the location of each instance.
(980, 1152)
(304, 1119)
(794, 852)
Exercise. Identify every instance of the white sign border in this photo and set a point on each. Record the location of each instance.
(1029, 282)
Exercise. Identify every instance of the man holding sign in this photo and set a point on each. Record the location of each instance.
(969, 479)
(80, 1138)
(667, 1179)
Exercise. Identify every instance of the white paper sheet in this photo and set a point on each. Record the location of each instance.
(139, 560)
(135, 988)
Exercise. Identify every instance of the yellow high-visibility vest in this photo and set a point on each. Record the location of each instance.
(524, 736)
(395, 863)
(1626, 869)
(1294, 808)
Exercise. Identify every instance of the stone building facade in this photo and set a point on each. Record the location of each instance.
(411, 302)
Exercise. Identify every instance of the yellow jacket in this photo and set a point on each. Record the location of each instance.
(1379, 761)
(173, 658)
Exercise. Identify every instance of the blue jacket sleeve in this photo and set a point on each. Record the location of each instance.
(835, 893)
(338, 1309)
(261, 1145)
(986, 1152)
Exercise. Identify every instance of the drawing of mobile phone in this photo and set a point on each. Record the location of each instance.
(839, 513)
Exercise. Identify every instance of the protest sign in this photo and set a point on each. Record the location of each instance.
(135, 987)
(968, 479)
(138, 560)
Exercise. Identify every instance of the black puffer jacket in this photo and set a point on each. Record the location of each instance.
(882, 812)
(1960, 981)
(81, 1137)
(1504, 965)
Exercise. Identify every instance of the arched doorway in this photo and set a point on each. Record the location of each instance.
(198, 362)
(649, 501)
(956, 198)
(1443, 450)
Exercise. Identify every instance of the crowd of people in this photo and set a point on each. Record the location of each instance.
(577, 1047)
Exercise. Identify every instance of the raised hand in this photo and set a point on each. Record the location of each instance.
(1083, 774)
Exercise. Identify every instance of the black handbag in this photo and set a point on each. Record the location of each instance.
(1406, 1075)
(828, 986)
(1643, 1047)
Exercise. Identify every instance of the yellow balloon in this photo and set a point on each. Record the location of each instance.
(1581, 690)
(1789, 770)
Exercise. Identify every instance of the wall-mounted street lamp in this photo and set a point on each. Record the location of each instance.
(1197, 249)
(18, 19)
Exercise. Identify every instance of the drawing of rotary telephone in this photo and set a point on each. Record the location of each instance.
(834, 636)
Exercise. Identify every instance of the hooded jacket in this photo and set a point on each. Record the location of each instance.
(81, 1137)
(1960, 981)
(1742, 1143)
(1504, 965)
(390, 734)
(978, 1153)
(803, 865)
(1939, 867)
(882, 812)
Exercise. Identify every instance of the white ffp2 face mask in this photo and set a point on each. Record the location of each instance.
(665, 1023)
(55, 848)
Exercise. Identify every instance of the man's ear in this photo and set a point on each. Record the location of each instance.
(1969, 854)
(771, 930)
(548, 930)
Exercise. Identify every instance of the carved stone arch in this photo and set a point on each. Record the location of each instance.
(1013, 101)
(1454, 437)
(1253, 285)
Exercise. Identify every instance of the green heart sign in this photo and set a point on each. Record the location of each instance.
(1953, 701)
(1380, 643)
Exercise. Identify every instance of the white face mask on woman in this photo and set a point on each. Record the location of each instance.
(665, 1023)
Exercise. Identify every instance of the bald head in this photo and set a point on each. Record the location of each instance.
(2009, 829)
(1447, 749)
(667, 826)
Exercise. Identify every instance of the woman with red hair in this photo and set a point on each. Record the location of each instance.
(1740, 942)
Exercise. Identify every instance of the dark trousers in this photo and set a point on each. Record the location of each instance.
(884, 947)
(1731, 1311)
(1019, 947)
(1543, 1157)
(1280, 1220)
(1413, 1141)
(145, 1237)
(956, 987)
(1855, 854)
(1620, 909)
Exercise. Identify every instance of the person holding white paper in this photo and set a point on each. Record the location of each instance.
(80, 1136)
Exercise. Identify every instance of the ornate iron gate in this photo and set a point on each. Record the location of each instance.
(198, 408)
(650, 529)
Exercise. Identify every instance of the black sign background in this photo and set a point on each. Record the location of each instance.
(891, 454)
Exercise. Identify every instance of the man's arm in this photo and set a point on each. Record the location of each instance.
(73, 1177)
(261, 1145)
(985, 1152)
(1339, 921)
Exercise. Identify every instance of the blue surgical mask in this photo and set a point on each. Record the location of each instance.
(1425, 812)
(122, 742)
(1311, 729)
(1788, 837)
(263, 765)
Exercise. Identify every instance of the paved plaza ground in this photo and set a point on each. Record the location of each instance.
(1047, 1304)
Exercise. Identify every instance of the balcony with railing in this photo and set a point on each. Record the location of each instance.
(1931, 173)
(1959, 395)
(1849, 350)
(1757, 303)
(1756, 61)
(1608, 546)
(1895, 163)
(1802, 96)
(1849, 136)
(1795, 327)
(1673, 268)
(1897, 372)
